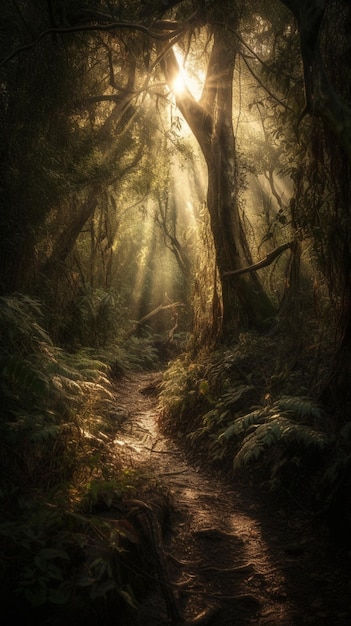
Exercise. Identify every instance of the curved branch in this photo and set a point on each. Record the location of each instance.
(161, 307)
(264, 262)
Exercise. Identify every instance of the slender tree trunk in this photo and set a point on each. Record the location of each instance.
(65, 242)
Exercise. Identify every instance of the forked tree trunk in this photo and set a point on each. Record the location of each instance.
(210, 119)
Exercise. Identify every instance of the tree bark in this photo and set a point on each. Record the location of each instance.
(65, 242)
(210, 119)
(268, 259)
(321, 98)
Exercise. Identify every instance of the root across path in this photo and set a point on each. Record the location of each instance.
(227, 554)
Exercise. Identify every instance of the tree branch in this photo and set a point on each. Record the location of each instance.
(264, 262)
(160, 307)
(91, 28)
(266, 89)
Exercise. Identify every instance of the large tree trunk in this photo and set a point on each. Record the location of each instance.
(321, 97)
(210, 119)
(324, 101)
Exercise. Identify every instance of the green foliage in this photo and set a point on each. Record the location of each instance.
(66, 560)
(94, 319)
(242, 408)
(96, 324)
(272, 434)
(20, 331)
(49, 398)
(55, 471)
(284, 425)
(184, 391)
(284, 422)
(141, 353)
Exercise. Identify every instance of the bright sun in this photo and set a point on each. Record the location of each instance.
(179, 83)
(187, 78)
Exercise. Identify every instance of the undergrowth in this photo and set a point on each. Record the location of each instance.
(94, 322)
(57, 556)
(246, 408)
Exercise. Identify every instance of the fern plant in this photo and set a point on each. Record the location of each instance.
(94, 319)
(219, 414)
(286, 422)
(184, 393)
(56, 469)
(52, 402)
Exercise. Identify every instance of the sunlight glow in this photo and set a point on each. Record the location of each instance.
(188, 77)
(146, 235)
(179, 84)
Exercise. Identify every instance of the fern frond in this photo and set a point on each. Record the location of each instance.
(43, 434)
(215, 416)
(20, 331)
(251, 449)
(301, 407)
(279, 428)
(241, 424)
(23, 376)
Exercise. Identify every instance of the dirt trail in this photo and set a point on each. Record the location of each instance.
(232, 558)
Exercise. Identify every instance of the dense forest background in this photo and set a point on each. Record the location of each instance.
(175, 194)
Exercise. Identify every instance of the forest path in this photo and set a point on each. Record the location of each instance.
(229, 557)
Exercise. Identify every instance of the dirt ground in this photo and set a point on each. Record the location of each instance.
(230, 555)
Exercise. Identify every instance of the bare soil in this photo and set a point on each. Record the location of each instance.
(228, 553)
